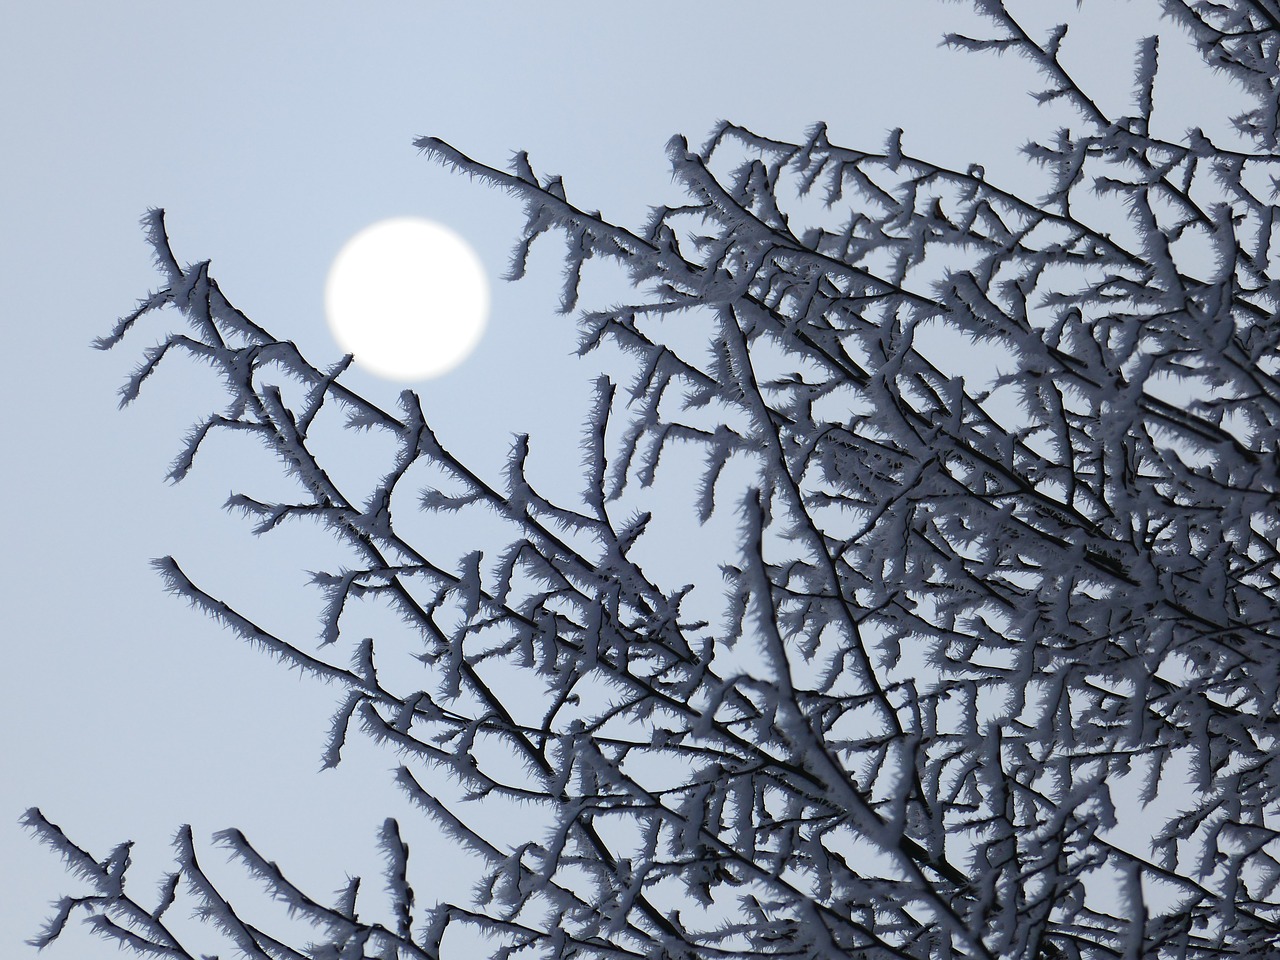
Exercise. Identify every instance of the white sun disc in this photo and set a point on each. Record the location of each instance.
(408, 297)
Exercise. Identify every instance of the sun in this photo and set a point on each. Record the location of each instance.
(408, 297)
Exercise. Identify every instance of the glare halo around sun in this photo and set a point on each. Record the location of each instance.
(408, 297)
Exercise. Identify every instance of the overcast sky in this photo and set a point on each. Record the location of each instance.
(271, 132)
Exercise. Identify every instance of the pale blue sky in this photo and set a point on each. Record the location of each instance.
(271, 132)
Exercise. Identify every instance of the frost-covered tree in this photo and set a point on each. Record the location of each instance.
(1003, 470)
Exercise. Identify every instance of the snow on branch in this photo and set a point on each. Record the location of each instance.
(1006, 564)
